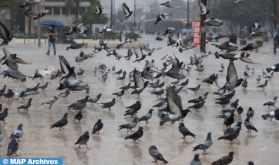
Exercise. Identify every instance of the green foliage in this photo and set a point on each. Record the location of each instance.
(90, 16)
(243, 14)
(8, 3)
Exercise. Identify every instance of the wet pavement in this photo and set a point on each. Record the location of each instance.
(109, 147)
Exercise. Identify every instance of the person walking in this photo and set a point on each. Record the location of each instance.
(276, 42)
(51, 40)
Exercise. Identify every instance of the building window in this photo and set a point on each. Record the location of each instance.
(56, 10)
(64, 11)
(73, 11)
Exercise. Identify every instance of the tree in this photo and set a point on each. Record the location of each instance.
(243, 14)
(90, 16)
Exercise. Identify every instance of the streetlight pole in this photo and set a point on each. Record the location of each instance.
(39, 26)
(203, 32)
(135, 14)
(188, 11)
(111, 15)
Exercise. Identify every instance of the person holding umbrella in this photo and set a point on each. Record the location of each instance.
(51, 40)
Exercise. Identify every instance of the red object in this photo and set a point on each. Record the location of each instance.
(196, 32)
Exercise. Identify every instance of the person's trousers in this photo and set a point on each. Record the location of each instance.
(53, 45)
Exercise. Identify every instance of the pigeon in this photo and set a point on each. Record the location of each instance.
(250, 126)
(108, 104)
(61, 123)
(12, 147)
(263, 85)
(231, 133)
(78, 116)
(167, 4)
(250, 112)
(136, 135)
(155, 153)
(120, 93)
(79, 104)
(244, 83)
(213, 22)
(106, 29)
(133, 109)
(75, 46)
(43, 86)
(224, 160)
(96, 99)
(25, 106)
(99, 8)
(174, 105)
(203, 8)
(161, 17)
(129, 126)
(274, 68)
(250, 163)
(64, 94)
(205, 145)
(41, 14)
(126, 10)
(2, 91)
(83, 139)
(50, 102)
(271, 103)
(3, 114)
(5, 35)
(185, 131)
(1, 136)
(17, 133)
(196, 160)
(146, 117)
(196, 88)
(232, 80)
(97, 126)
(272, 114)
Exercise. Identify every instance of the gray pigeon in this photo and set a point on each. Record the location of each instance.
(196, 160)
(83, 139)
(146, 116)
(205, 145)
(155, 153)
(12, 147)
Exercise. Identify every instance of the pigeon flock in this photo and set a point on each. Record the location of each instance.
(156, 92)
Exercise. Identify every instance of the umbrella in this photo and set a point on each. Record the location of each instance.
(51, 22)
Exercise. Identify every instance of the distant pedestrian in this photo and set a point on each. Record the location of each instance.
(276, 42)
(233, 38)
(51, 40)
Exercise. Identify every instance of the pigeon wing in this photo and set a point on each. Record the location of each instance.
(139, 82)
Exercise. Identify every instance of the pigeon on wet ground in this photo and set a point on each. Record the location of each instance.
(185, 131)
(224, 160)
(3, 114)
(250, 126)
(129, 126)
(97, 126)
(146, 117)
(17, 133)
(12, 147)
(61, 123)
(78, 116)
(205, 145)
(83, 139)
(136, 135)
(156, 154)
(108, 104)
(25, 106)
(196, 160)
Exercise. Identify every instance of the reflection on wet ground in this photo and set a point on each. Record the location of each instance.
(110, 147)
